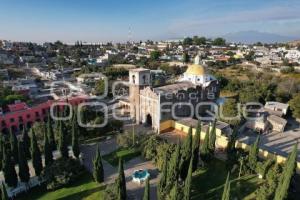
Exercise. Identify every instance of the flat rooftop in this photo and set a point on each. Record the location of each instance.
(277, 143)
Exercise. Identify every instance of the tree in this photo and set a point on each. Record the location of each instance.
(98, 172)
(75, 142)
(147, 190)
(188, 182)
(63, 145)
(50, 133)
(9, 170)
(173, 169)
(186, 154)
(100, 87)
(230, 112)
(253, 155)
(36, 155)
(219, 41)
(286, 176)
(154, 55)
(295, 105)
(23, 165)
(14, 146)
(196, 146)
(187, 41)
(212, 138)
(174, 194)
(226, 191)
(204, 150)
(185, 57)
(121, 182)
(163, 180)
(26, 143)
(4, 195)
(47, 150)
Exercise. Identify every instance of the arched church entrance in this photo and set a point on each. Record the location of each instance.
(148, 120)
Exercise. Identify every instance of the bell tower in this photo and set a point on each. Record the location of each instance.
(139, 78)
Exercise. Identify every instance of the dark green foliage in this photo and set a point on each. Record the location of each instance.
(75, 135)
(266, 191)
(175, 192)
(36, 154)
(226, 191)
(121, 182)
(285, 178)
(147, 190)
(47, 150)
(50, 134)
(4, 195)
(212, 138)
(196, 146)
(23, 165)
(62, 172)
(186, 153)
(163, 180)
(204, 150)
(173, 169)
(188, 183)
(253, 155)
(63, 144)
(98, 172)
(14, 146)
(26, 143)
(9, 170)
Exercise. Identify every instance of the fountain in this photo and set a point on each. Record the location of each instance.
(139, 176)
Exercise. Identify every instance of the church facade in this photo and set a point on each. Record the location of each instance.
(185, 98)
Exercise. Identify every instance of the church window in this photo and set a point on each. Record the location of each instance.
(133, 79)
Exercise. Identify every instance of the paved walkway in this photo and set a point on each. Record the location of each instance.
(134, 190)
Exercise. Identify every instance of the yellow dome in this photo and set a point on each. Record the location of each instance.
(195, 69)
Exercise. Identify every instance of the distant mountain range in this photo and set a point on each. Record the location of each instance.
(249, 37)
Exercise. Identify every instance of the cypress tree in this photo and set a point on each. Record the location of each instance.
(98, 172)
(36, 155)
(121, 183)
(47, 150)
(188, 183)
(286, 176)
(26, 143)
(9, 171)
(173, 169)
(14, 146)
(212, 138)
(186, 154)
(23, 165)
(4, 195)
(196, 146)
(253, 155)
(163, 180)
(204, 150)
(50, 133)
(75, 143)
(147, 190)
(63, 145)
(226, 191)
(174, 194)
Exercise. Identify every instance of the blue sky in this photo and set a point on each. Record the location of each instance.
(110, 20)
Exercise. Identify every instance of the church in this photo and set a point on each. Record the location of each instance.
(153, 105)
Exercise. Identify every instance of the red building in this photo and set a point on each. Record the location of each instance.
(21, 115)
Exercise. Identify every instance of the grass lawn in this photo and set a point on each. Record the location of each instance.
(208, 183)
(126, 153)
(83, 189)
